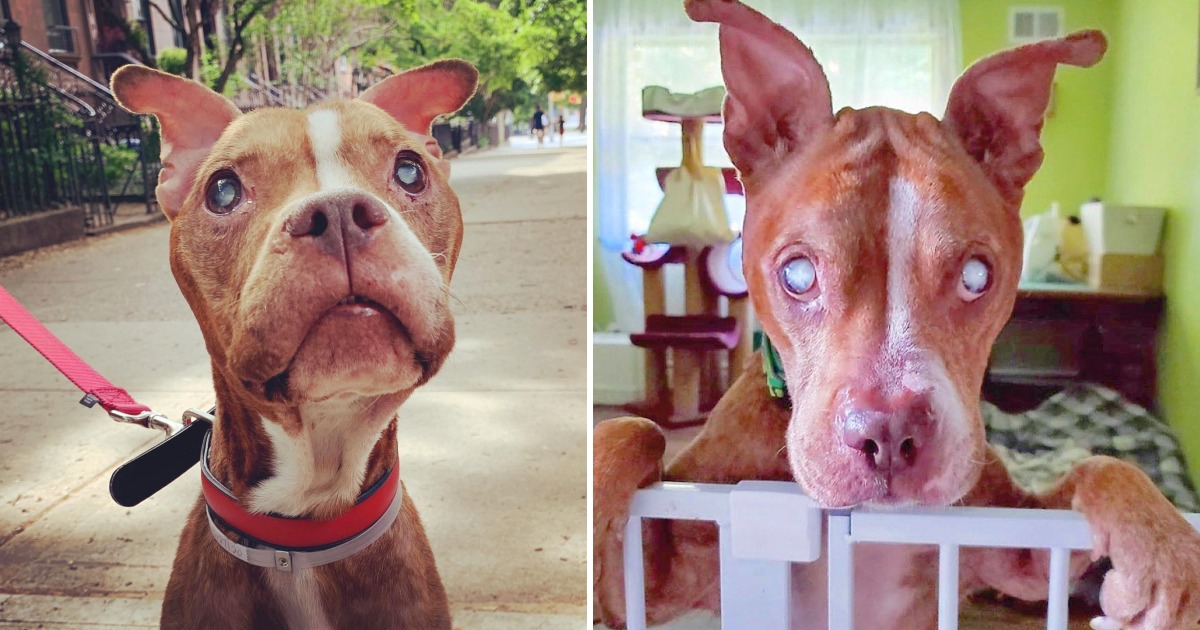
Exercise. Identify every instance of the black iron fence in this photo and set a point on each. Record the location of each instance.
(65, 144)
(460, 134)
(46, 162)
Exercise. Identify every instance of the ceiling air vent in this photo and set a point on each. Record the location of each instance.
(1031, 24)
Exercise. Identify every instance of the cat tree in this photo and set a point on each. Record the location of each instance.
(684, 375)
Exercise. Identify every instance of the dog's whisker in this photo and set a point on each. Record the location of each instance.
(449, 294)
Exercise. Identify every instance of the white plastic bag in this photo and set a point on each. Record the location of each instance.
(692, 211)
(1041, 245)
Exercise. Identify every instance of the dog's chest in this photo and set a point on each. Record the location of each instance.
(894, 589)
(299, 599)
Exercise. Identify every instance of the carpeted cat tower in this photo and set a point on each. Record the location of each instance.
(692, 357)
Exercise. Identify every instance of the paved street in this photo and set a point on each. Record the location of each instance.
(493, 450)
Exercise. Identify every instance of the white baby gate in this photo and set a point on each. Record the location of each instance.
(764, 526)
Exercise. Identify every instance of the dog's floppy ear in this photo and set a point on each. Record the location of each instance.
(997, 106)
(191, 116)
(417, 96)
(777, 94)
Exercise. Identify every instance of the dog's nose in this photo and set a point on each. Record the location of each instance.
(336, 220)
(890, 437)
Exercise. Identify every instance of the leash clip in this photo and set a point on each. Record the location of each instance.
(150, 420)
(155, 420)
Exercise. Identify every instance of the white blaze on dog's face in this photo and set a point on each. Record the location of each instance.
(315, 246)
(882, 250)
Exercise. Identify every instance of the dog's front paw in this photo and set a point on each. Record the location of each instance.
(1155, 580)
(626, 455)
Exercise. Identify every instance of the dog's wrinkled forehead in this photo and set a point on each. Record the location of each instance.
(871, 167)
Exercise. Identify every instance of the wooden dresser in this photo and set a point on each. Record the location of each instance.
(1063, 334)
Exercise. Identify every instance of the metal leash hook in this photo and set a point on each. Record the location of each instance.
(148, 419)
(151, 420)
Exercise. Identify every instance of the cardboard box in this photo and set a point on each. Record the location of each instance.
(1126, 273)
(1114, 229)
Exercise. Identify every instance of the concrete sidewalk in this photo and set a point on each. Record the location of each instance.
(493, 450)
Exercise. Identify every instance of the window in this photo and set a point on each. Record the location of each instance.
(59, 33)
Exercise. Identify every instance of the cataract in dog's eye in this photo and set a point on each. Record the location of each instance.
(410, 175)
(799, 275)
(225, 193)
(976, 277)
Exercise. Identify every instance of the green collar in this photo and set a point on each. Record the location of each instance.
(772, 366)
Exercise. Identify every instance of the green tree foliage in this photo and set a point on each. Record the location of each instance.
(522, 48)
(494, 38)
(562, 55)
(239, 15)
(173, 60)
(313, 34)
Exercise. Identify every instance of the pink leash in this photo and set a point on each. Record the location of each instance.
(97, 389)
(60, 356)
(147, 473)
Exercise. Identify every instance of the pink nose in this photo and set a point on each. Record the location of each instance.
(890, 437)
(336, 221)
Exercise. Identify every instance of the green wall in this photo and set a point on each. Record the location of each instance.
(1075, 137)
(1155, 160)
(602, 308)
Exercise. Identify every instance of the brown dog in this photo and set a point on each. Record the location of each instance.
(314, 248)
(882, 251)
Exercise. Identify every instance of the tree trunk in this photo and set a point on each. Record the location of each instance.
(236, 52)
(582, 115)
(237, 40)
(488, 105)
(192, 18)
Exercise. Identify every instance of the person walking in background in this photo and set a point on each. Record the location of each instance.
(538, 125)
(561, 128)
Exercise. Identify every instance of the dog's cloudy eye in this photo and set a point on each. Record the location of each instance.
(224, 193)
(976, 278)
(409, 174)
(799, 276)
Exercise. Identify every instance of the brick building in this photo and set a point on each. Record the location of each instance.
(92, 36)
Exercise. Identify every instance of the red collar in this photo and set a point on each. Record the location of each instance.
(282, 532)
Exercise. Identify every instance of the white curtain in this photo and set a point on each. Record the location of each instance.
(899, 53)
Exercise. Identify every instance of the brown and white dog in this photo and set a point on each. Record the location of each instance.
(882, 251)
(315, 248)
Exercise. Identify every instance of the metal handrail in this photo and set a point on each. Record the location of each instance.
(283, 94)
(126, 57)
(64, 68)
(272, 94)
(82, 107)
(84, 180)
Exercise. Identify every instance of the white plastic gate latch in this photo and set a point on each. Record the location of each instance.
(774, 521)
